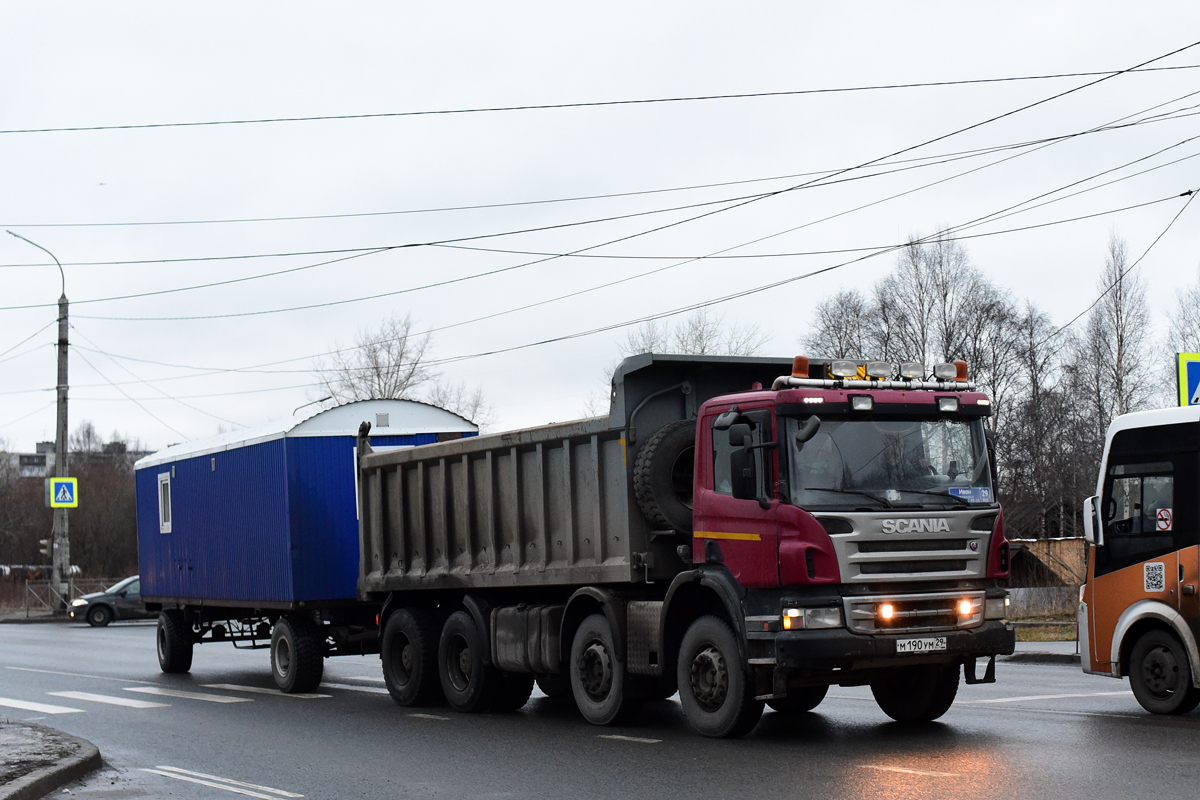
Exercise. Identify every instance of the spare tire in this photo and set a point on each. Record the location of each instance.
(662, 476)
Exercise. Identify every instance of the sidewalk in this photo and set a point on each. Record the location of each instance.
(36, 760)
(18, 616)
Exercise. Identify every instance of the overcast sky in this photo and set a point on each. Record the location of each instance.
(106, 64)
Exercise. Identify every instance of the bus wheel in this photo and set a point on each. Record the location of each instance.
(917, 694)
(409, 655)
(715, 692)
(1161, 676)
(598, 679)
(799, 701)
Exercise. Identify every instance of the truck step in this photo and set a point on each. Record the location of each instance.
(762, 662)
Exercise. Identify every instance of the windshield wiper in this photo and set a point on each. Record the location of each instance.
(883, 501)
(961, 500)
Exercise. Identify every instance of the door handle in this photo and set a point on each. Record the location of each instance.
(1189, 588)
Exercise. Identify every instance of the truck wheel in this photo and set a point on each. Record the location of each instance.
(662, 476)
(1161, 676)
(467, 682)
(512, 691)
(174, 642)
(99, 616)
(297, 654)
(799, 701)
(598, 680)
(714, 689)
(917, 694)
(409, 653)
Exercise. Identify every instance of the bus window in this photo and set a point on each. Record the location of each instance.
(1138, 512)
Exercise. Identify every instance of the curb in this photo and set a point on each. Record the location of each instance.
(1042, 658)
(34, 620)
(41, 782)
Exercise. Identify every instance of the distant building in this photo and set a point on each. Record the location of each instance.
(40, 464)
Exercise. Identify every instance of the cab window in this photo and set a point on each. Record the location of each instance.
(723, 449)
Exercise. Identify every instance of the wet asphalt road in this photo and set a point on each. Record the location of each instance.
(1040, 731)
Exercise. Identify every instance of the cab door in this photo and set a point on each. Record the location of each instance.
(743, 531)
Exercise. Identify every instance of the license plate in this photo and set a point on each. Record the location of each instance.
(930, 644)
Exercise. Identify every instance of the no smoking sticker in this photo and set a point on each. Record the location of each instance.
(1162, 521)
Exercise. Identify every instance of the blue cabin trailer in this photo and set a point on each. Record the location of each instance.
(253, 535)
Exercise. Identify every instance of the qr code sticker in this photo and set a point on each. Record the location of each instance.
(1155, 576)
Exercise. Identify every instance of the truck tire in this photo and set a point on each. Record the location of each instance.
(409, 652)
(174, 640)
(297, 654)
(714, 690)
(917, 694)
(598, 679)
(799, 701)
(1160, 674)
(468, 683)
(662, 476)
(99, 616)
(512, 691)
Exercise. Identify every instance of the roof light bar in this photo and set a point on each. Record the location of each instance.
(945, 372)
(879, 369)
(844, 369)
(912, 369)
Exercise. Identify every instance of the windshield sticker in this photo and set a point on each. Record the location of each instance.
(972, 494)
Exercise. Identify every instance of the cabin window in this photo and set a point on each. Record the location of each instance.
(164, 502)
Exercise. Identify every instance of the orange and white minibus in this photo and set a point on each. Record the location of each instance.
(1139, 612)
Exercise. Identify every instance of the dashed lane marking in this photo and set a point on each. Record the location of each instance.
(1042, 697)
(351, 687)
(76, 674)
(216, 782)
(233, 687)
(620, 738)
(44, 708)
(211, 698)
(907, 771)
(428, 716)
(128, 702)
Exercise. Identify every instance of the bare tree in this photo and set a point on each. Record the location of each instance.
(700, 333)
(464, 401)
(85, 439)
(386, 363)
(842, 328)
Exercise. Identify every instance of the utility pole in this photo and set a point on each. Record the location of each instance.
(60, 543)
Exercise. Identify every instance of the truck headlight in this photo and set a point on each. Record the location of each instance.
(822, 618)
(995, 608)
(79, 601)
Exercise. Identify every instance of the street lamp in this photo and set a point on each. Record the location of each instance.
(60, 544)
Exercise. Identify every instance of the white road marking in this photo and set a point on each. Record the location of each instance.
(212, 698)
(233, 687)
(228, 784)
(428, 716)
(907, 771)
(620, 738)
(75, 674)
(128, 702)
(366, 678)
(1042, 697)
(42, 707)
(351, 687)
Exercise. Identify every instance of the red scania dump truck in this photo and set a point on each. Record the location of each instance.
(738, 544)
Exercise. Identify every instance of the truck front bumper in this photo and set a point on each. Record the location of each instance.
(840, 649)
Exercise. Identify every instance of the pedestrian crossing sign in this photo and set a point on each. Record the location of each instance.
(64, 492)
(1187, 369)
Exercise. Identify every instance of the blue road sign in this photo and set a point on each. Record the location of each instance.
(64, 492)
(1188, 370)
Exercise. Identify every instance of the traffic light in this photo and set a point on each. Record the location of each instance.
(45, 550)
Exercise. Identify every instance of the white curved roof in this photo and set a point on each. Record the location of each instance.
(404, 417)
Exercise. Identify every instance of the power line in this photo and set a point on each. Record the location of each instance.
(602, 103)
(122, 391)
(30, 414)
(30, 336)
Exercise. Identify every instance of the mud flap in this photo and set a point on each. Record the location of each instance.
(989, 672)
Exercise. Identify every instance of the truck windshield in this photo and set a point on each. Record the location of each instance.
(889, 462)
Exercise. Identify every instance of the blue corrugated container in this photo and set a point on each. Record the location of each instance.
(267, 517)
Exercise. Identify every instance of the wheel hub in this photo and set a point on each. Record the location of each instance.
(596, 670)
(710, 678)
(283, 657)
(1161, 672)
(460, 664)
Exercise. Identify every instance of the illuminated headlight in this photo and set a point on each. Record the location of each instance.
(995, 608)
(947, 404)
(814, 400)
(945, 372)
(879, 369)
(79, 602)
(844, 369)
(862, 402)
(811, 618)
(912, 369)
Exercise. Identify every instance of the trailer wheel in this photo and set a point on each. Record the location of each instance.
(297, 654)
(468, 683)
(799, 701)
(1160, 675)
(714, 690)
(598, 680)
(409, 652)
(662, 476)
(512, 691)
(917, 694)
(174, 640)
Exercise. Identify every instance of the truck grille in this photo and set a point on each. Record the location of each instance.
(957, 551)
(913, 613)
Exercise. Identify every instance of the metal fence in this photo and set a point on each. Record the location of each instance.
(45, 596)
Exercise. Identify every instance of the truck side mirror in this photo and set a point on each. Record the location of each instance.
(743, 474)
(1092, 531)
(740, 435)
(808, 430)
